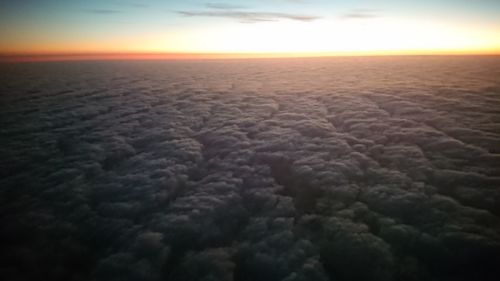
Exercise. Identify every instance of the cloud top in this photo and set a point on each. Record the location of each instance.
(294, 169)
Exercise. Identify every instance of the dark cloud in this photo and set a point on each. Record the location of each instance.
(303, 169)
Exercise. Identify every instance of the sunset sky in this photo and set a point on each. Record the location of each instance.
(281, 27)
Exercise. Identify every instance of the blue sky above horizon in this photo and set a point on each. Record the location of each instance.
(248, 26)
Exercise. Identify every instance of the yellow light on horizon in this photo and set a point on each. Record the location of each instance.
(291, 38)
(333, 36)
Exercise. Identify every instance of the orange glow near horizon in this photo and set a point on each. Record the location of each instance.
(89, 56)
(97, 30)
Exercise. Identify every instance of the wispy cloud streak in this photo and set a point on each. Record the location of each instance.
(243, 14)
(249, 17)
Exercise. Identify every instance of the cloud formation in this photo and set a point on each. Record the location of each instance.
(306, 169)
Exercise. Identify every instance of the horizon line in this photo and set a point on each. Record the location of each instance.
(13, 57)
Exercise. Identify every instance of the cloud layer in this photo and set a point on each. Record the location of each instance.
(300, 169)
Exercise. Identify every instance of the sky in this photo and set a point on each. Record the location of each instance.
(285, 27)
